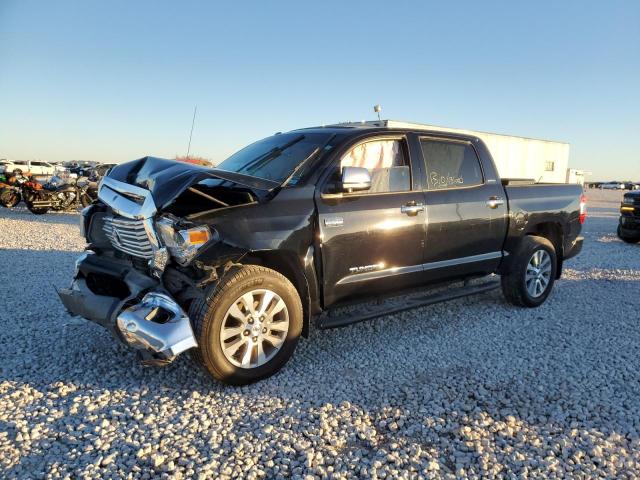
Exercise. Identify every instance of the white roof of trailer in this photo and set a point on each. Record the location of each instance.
(421, 126)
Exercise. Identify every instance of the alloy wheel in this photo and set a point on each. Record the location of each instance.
(254, 328)
(538, 274)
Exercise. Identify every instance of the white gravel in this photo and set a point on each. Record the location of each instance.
(471, 388)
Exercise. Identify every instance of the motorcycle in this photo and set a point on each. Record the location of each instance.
(55, 195)
(11, 189)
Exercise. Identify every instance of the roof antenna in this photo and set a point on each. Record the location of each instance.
(378, 109)
(193, 121)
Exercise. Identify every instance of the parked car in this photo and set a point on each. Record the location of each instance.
(612, 186)
(10, 166)
(35, 167)
(98, 171)
(629, 223)
(235, 262)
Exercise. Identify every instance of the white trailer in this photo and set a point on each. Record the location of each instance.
(515, 157)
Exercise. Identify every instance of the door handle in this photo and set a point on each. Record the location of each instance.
(495, 202)
(412, 208)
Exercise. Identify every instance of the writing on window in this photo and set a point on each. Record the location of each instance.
(450, 164)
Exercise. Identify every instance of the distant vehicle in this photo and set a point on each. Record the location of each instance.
(99, 171)
(612, 186)
(629, 223)
(55, 195)
(237, 261)
(10, 166)
(35, 167)
(631, 186)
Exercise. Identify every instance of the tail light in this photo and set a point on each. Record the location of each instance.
(583, 208)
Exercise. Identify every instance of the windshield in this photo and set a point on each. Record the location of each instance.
(276, 158)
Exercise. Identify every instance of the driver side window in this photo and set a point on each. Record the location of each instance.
(386, 161)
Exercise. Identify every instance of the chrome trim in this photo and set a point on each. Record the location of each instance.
(167, 339)
(483, 257)
(118, 195)
(333, 222)
(412, 210)
(495, 202)
(135, 237)
(362, 277)
(135, 207)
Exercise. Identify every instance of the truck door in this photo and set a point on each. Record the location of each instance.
(372, 241)
(466, 210)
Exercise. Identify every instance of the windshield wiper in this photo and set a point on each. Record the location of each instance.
(270, 155)
(304, 162)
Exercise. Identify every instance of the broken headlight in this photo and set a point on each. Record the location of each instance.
(183, 243)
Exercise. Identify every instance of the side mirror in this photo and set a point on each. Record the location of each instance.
(355, 179)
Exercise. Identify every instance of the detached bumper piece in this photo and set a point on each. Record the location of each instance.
(145, 317)
(157, 324)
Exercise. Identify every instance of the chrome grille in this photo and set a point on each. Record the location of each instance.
(129, 236)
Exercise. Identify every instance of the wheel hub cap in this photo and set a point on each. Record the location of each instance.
(254, 328)
(538, 273)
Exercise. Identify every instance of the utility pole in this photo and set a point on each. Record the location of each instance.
(193, 121)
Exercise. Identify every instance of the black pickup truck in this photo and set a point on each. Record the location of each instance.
(629, 223)
(235, 262)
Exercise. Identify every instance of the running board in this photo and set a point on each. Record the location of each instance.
(327, 321)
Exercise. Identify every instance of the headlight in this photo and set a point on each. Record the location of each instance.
(183, 244)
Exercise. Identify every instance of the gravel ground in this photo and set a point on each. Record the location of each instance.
(471, 388)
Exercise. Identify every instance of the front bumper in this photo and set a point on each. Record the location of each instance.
(132, 306)
(630, 224)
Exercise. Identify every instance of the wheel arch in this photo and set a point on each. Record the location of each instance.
(293, 268)
(553, 232)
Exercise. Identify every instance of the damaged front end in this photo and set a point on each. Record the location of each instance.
(132, 306)
(123, 283)
(154, 222)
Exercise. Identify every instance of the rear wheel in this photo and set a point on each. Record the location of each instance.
(627, 238)
(37, 210)
(532, 273)
(249, 326)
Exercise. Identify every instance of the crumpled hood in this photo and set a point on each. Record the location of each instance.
(167, 179)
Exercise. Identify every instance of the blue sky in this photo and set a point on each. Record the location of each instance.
(114, 81)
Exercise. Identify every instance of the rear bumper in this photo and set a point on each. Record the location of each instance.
(143, 315)
(575, 248)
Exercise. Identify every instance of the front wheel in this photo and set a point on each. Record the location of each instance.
(532, 273)
(249, 325)
(9, 198)
(85, 200)
(626, 238)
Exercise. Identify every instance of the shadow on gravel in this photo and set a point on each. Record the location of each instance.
(23, 214)
(414, 379)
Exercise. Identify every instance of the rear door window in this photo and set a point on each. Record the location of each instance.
(450, 164)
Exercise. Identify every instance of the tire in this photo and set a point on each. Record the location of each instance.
(213, 315)
(9, 198)
(627, 238)
(36, 210)
(514, 283)
(85, 200)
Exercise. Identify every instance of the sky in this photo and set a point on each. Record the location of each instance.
(112, 81)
